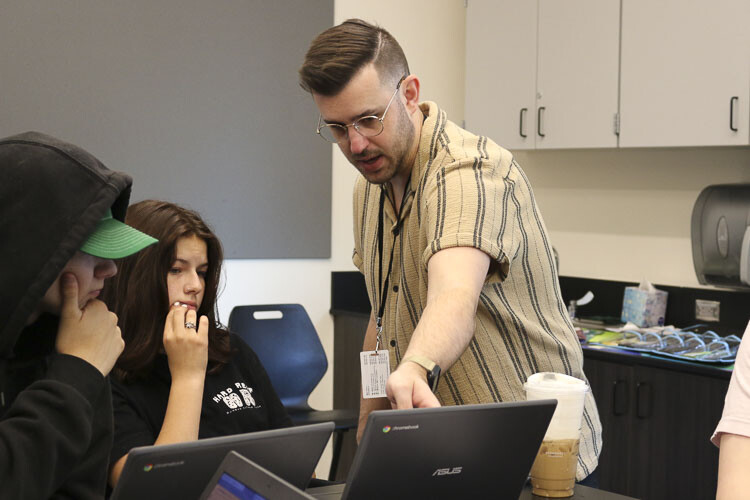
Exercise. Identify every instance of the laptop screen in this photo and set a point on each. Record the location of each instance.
(229, 488)
(238, 478)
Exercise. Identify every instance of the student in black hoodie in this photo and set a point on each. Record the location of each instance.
(61, 215)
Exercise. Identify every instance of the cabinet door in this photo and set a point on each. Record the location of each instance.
(501, 71)
(684, 62)
(577, 78)
(674, 416)
(612, 386)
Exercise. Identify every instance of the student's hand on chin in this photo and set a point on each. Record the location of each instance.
(89, 332)
(186, 348)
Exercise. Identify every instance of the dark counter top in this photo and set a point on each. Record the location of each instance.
(604, 353)
(349, 297)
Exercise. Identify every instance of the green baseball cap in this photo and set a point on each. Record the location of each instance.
(113, 239)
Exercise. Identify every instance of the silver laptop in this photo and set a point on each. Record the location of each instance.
(238, 478)
(182, 470)
(471, 451)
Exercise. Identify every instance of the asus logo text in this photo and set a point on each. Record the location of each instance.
(447, 471)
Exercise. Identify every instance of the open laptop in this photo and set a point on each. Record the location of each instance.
(471, 451)
(238, 478)
(182, 470)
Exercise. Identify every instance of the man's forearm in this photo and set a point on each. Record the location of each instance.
(455, 279)
(442, 334)
(446, 327)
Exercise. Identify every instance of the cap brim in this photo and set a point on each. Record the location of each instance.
(113, 239)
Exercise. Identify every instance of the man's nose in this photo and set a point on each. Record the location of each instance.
(357, 142)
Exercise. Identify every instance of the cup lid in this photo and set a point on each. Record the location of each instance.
(555, 382)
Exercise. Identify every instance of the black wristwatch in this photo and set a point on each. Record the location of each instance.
(433, 369)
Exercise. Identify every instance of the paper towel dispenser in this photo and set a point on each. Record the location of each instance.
(720, 233)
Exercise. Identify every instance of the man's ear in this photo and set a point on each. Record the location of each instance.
(411, 92)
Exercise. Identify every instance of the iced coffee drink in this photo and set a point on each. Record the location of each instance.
(554, 471)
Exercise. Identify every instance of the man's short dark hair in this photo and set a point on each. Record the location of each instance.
(338, 53)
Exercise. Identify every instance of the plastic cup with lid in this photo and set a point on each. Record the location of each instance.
(554, 470)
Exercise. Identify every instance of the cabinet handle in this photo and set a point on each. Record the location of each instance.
(520, 122)
(539, 121)
(620, 398)
(643, 400)
(731, 113)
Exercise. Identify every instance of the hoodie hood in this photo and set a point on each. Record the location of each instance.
(52, 195)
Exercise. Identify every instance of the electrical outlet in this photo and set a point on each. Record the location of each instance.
(707, 310)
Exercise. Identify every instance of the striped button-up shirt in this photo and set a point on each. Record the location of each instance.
(465, 190)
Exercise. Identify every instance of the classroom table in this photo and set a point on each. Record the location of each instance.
(580, 493)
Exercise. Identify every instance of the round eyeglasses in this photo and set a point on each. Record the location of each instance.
(367, 126)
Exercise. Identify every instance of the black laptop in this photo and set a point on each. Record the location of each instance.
(471, 451)
(183, 470)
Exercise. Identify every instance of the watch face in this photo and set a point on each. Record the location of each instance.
(433, 377)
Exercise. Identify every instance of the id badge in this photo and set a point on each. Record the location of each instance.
(375, 368)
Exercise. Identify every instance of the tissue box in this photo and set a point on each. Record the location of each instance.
(644, 308)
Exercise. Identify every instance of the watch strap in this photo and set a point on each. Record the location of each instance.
(432, 368)
(422, 361)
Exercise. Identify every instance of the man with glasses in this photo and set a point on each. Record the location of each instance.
(457, 262)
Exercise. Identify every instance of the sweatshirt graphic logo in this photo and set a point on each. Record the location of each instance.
(237, 398)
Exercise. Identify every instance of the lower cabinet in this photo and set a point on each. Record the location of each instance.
(656, 428)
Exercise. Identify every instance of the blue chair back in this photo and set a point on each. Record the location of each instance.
(287, 344)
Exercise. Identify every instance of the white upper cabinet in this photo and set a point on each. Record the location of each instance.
(685, 73)
(578, 43)
(501, 71)
(543, 74)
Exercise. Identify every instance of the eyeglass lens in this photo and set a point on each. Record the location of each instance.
(368, 126)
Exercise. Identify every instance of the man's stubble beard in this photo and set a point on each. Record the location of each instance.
(400, 150)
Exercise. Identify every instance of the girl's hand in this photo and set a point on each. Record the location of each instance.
(186, 348)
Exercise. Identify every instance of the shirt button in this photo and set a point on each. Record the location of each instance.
(395, 288)
(393, 343)
(395, 231)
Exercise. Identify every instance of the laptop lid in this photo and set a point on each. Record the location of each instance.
(477, 451)
(182, 470)
(238, 478)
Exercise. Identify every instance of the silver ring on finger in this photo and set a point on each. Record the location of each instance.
(190, 324)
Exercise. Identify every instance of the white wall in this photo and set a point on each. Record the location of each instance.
(431, 33)
(625, 214)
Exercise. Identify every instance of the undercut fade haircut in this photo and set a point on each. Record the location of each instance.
(338, 53)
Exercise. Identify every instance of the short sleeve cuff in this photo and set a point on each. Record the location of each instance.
(357, 261)
(730, 425)
(467, 240)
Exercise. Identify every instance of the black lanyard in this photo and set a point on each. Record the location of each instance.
(384, 289)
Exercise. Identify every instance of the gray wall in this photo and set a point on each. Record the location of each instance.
(197, 100)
